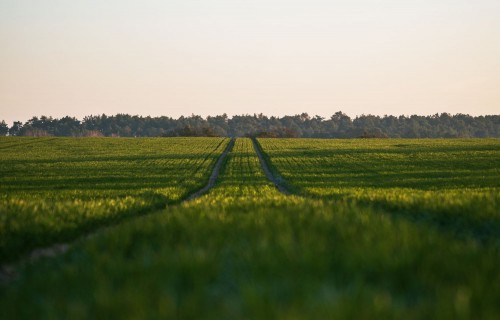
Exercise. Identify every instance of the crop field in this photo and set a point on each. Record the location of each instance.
(371, 229)
(57, 189)
(450, 183)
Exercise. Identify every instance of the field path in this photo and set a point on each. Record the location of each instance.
(215, 173)
(277, 181)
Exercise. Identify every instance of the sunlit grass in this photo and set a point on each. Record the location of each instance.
(57, 189)
(244, 250)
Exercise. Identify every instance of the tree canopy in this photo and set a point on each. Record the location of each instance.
(339, 125)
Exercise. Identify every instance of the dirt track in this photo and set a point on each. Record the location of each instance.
(215, 173)
(278, 181)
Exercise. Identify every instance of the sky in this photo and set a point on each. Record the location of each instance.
(276, 57)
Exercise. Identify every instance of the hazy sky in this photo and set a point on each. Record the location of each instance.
(207, 57)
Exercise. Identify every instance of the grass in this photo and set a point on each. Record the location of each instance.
(54, 190)
(246, 251)
(451, 184)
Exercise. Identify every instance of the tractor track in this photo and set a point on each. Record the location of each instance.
(214, 175)
(278, 181)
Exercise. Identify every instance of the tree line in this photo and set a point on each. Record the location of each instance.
(339, 125)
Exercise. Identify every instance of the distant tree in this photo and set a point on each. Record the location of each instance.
(67, 126)
(304, 117)
(339, 125)
(16, 128)
(38, 127)
(219, 124)
(4, 128)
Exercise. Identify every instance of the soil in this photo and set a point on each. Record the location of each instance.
(278, 181)
(215, 173)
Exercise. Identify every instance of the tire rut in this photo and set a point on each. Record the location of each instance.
(215, 173)
(278, 181)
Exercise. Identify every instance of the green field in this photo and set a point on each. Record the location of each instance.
(54, 190)
(447, 183)
(373, 229)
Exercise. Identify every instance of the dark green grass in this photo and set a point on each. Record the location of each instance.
(244, 251)
(451, 184)
(56, 189)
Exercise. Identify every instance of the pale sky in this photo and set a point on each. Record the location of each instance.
(208, 57)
